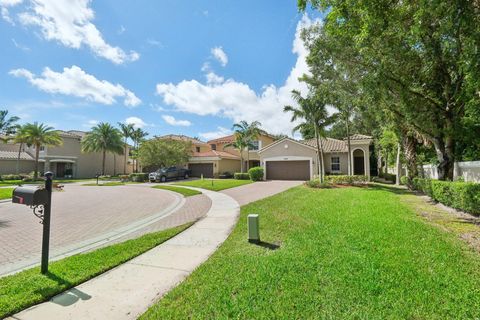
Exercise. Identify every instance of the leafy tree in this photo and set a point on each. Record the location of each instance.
(103, 138)
(137, 136)
(247, 132)
(388, 144)
(38, 135)
(420, 58)
(314, 113)
(127, 131)
(164, 152)
(8, 125)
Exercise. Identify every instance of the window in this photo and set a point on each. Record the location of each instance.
(335, 163)
(213, 146)
(255, 145)
(42, 148)
(197, 148)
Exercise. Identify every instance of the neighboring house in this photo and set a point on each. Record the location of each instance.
(65, 161)
(221, 158)
(289, 159)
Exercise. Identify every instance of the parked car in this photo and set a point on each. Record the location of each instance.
(164, 174)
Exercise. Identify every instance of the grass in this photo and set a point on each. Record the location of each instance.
(215, 184)
(186, 192)
(104, 184)
(5, 193)
(29, 287)
(344, 253)
(5, 183)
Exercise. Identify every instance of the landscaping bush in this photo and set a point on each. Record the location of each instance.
(404, 180)
(241, 176)
(124, 177)
(256, 173)
(138, 177)
(464, 196)
(315, 183)
(226, 175)
(11, 177)
(346, 180)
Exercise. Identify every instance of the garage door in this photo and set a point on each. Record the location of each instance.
(201, 168)
(288, 170)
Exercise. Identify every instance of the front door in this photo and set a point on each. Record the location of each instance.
(358, 166)
(60, 170)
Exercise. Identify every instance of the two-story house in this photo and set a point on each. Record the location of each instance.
(65, 161)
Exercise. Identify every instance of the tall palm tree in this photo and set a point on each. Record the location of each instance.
(240, 142)
(21, 140)
(344, 114)
(103, 138)
(127, 130)
(249, 132)
(314, 113)
(38, 135)
(8, 125)
(138, 136)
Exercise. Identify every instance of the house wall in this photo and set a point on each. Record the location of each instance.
(251, 155)
(327, 159)
(228, 165)
(468, 170)
(10, 166)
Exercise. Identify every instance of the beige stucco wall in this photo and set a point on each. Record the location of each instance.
(327, 158)
(251, 155)
(228, 165)
(10, 166)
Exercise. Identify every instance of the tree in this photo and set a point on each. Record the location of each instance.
(420, 57)
(240, 143)
(314, 113)
(127, 132)
(8, 125)
(388, 144)
(103, 138)
(138, 136)
(164, 152)
(248, 132)
(21, 139)
(38, 135)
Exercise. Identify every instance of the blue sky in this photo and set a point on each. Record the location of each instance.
(190, 67)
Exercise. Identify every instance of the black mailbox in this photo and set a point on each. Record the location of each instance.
(30, 196)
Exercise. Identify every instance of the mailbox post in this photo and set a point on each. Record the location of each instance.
(46, 223)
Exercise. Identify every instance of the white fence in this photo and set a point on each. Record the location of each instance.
(469, 171)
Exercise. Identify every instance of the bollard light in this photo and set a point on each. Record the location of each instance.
(253, 228)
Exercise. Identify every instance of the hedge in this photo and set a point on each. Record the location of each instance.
(138, 177)
(464, 196)
(241, 176)
(346, 180)
(256, 173)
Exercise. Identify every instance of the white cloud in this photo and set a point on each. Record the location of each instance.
(220, 132)
(220, 55)
(212, 78)
(20, 46)
(236, 100)
(174, 122)
(70, 23)
(90, 123)
(137, 122)
(76, 82)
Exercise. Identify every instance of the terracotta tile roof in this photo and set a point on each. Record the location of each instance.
(359, 137)
(214, 153)
(12, 155)
(226, 139)
(329, 144)
(182, 138)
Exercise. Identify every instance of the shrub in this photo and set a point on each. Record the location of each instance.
(11, 177)
(124, 177)
(315, 183)
(226, 175)
(241, 176)
(138, 177)
(346, 180)
(256, 173)
(464, 196)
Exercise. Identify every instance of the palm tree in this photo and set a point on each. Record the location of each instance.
(240, 142)
(137, 137)
(38, 135)
(248, 132)
(103, 138)
(21, 140)
(345, 113)
(314, 112)
(127, 130)
(7, 125)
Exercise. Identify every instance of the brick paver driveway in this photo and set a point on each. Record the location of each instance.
(80, 215)
(259, 190)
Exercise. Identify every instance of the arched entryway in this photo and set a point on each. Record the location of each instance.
(358, 162)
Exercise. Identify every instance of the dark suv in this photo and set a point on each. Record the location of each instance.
(164, 174)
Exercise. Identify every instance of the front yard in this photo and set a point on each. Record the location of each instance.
(343, 253)
(6, 193)
(215, 184)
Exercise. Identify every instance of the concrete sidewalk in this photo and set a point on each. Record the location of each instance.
(128, 290)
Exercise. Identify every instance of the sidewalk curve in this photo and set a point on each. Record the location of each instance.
(126, 291)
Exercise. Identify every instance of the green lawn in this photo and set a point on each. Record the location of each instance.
(344, 253)
(6, 193)
(104, 184)
(186, 192)
(215, 184)
(29, 287)
(5, 183)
